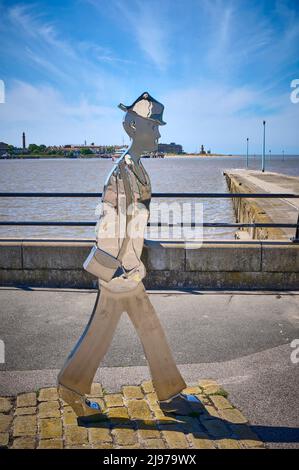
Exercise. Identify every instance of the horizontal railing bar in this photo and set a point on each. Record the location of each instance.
(50, 194)
(166, 195)
(153, 224)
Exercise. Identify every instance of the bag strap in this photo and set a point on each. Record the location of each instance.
(128, 216)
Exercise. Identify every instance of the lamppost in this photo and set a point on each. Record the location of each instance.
(264, 144)
(247, 140)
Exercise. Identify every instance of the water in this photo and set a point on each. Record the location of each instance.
(180, 174)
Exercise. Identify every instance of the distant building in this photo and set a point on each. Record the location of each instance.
(94, 148)
(170, 148)
(120, 151)
(3, 148)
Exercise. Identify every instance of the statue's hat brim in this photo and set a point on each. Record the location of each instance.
(146, 107)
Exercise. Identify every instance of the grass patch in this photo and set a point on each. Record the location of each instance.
(221, 392)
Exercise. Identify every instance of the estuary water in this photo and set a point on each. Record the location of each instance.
(171, 174)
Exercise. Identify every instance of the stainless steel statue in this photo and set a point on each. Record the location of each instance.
(120, 236)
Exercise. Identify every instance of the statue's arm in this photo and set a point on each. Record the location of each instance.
(111, 226)
(107, 236)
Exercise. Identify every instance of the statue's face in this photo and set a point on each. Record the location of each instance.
(149, 135)
(144, 132)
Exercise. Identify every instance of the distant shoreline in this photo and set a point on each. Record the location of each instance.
(90, 157)
(37, 157)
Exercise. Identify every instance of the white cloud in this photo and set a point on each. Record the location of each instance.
(29, 37)
(216, 116)
(30, 20)
(47, 118)
(148, 25)
(239, 37)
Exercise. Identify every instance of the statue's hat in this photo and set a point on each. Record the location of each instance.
(147, 107)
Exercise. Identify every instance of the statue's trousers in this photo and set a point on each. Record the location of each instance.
(82, 363)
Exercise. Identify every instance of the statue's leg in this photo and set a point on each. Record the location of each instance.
(166, 377)
(82, 363)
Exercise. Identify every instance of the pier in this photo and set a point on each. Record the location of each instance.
(277, 210)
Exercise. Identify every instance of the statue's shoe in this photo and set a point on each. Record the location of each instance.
(79, 403)
(179, 404)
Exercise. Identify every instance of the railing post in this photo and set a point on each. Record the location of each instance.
(295, 239)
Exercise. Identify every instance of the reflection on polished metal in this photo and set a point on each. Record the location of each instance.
(120, 234)
(177, 404)
(81, 405)
(147, 107)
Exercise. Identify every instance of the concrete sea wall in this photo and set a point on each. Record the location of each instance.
(170, 265)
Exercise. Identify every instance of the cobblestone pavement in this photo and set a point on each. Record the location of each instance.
(130, 419)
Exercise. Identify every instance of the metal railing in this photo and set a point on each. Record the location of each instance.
(158, 224)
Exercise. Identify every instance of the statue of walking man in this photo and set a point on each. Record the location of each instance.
(120, 236)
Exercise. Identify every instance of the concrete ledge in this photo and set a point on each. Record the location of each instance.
(48, 278)
(231, 280)
(54, 255)
(285, 258)
(212, 265)
(11, 255)
(158, 256)
(223, 257)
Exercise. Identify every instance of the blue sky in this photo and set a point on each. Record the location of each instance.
(220, 67)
